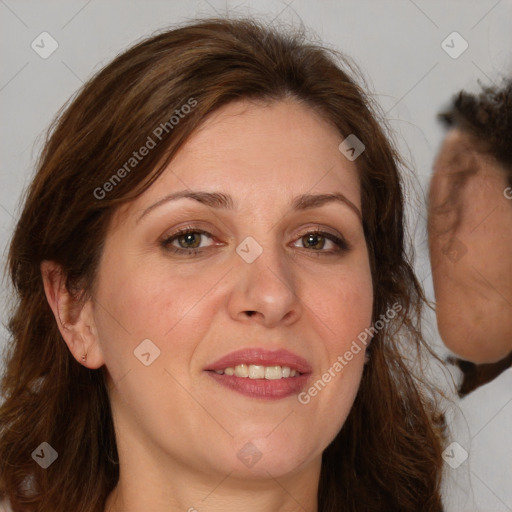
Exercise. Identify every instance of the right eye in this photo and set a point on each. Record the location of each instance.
(188, 241)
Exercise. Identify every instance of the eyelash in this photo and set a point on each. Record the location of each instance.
(340, 242)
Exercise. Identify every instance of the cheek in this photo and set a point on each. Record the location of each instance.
(140, 303)
(342, 302)
(341, 314)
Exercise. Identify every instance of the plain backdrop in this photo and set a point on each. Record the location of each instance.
(406, 49)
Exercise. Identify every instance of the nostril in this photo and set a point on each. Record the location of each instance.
(250, 313)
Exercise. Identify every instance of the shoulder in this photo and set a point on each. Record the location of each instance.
(484, 403)
(479, 473)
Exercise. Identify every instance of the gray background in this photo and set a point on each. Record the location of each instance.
(397, 44)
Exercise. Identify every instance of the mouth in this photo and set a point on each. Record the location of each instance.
(257, 371)
(263, 374)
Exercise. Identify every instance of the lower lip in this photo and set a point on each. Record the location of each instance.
(263, 388)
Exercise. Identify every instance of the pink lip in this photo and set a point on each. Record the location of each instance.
(262, 388)
(262, 357)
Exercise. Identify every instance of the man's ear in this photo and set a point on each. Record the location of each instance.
(74, 318)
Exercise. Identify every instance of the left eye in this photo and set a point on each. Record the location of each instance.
(190, 240)
(318, 242)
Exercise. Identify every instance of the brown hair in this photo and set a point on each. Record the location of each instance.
(487, 119)
(387, 456)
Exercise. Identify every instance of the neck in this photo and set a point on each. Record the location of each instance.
(182, 491)
(150, 480)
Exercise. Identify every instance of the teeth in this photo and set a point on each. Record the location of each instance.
(242, 370)
(256, 371)
(273, 372)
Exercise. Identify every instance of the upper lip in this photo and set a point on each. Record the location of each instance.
(263, 357)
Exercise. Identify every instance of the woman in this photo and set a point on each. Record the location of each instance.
(214, 237)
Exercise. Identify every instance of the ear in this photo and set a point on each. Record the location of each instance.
(74, 318)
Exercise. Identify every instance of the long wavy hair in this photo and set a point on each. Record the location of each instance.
(387, 456)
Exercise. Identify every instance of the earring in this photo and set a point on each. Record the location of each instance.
(84, 358)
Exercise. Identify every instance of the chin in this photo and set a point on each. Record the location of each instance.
(276, 465)
(478, 344)
(272, 456)
(481, 354)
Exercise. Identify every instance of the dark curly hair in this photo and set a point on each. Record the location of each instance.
(487, 117)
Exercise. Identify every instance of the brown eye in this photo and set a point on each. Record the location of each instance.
(313, 241)
(189, 240)
(321, 242)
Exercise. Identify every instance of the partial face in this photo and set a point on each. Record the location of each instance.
(235, 260)
(472, 263)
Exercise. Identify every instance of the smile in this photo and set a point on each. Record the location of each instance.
(253, 371)
(259, 373)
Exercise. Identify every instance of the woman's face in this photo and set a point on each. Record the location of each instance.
(471, 262)
(271, 276)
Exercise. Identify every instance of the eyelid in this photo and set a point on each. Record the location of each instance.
(190, 226)
(321, 230)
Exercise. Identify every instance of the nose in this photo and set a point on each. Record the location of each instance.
(265, 291)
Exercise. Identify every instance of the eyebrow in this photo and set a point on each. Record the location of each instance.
(219, 200)
(307, 201)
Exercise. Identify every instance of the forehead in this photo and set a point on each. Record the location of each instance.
(264, 145)
(461, 153)
(261, 154)
(456, 145)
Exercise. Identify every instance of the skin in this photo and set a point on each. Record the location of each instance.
(473, 290)
(179, 431)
